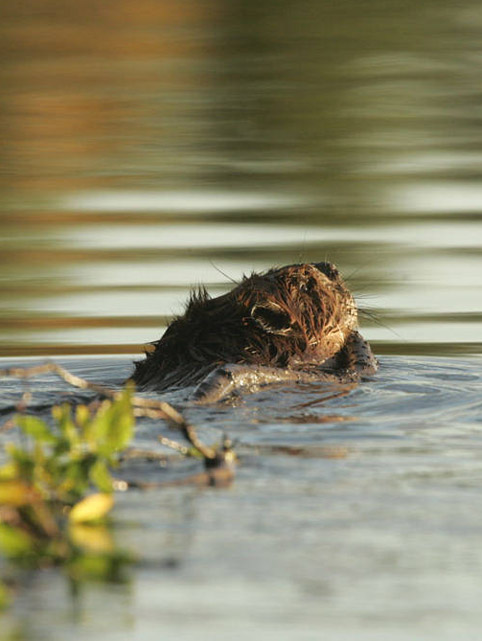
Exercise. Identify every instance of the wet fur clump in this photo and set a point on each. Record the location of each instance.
(298, 316)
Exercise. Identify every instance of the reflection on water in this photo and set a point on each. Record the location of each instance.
(141, 145)
(148, 147)
(192, 201)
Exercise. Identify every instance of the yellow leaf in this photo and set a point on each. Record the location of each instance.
(8, 472)
(93, 538)
(92, 508)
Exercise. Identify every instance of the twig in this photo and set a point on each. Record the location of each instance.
(134, 453)
(161, 409)
(174, 445)
(142, 406)
(72, 379)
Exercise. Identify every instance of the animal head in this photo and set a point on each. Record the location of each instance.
(287, 316)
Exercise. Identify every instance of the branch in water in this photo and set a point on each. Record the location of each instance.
(142, 406)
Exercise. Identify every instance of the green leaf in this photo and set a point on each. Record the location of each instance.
(36, 428)
(100, 477)
(74, 479)
(40, 482)
(62, 414)
(14, 542)
(113, 426)
(124, 416)
(22, 460)
(82, 416)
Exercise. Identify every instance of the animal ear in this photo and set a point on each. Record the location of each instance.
(272, 318)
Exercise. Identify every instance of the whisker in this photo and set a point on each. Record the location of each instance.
(372, 315)
(218, 269)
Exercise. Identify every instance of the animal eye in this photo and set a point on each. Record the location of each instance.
(311, 284)
(272, 319)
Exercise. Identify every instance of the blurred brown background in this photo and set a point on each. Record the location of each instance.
(146, 144)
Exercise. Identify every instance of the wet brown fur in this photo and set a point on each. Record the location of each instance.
(296, 316)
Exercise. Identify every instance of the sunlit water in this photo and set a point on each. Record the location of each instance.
(151, 147)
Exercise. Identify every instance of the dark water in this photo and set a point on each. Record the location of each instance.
(151, 146)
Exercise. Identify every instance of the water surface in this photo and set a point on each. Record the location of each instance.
(149, 148)
(350, 517)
